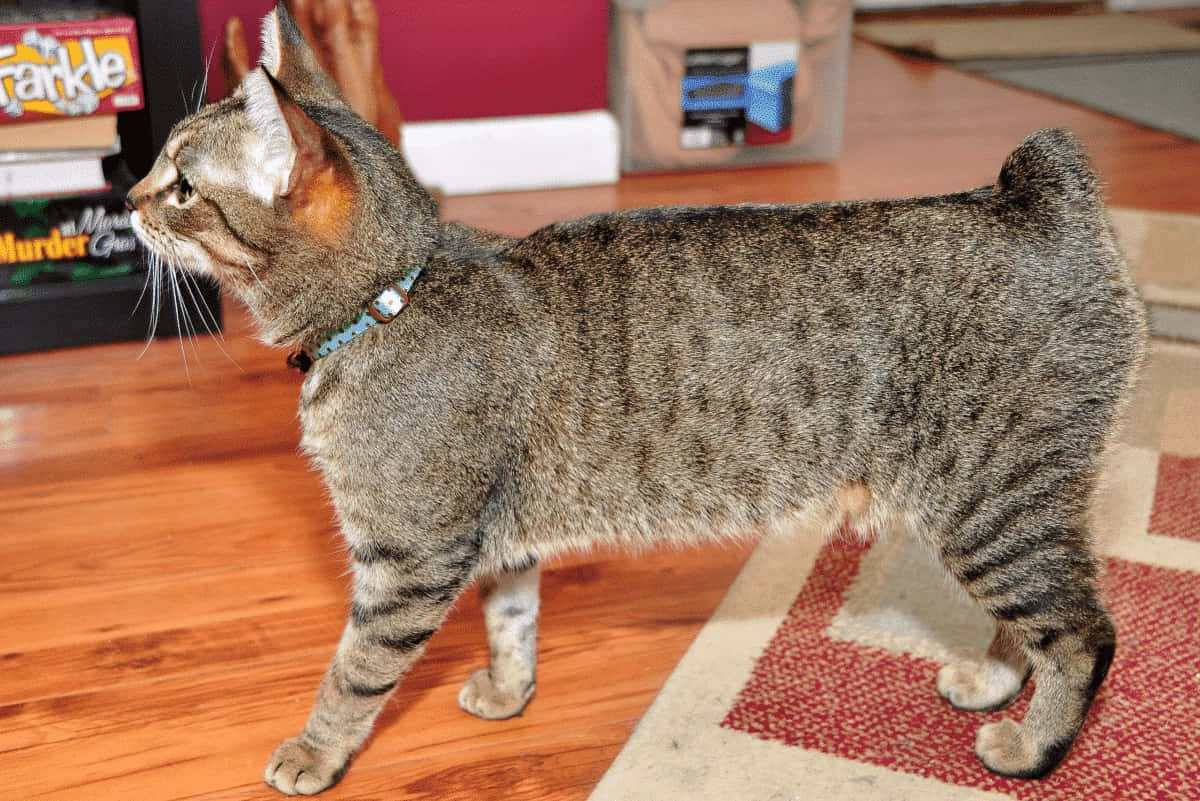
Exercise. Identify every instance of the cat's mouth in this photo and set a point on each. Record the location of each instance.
(171, 283)
(160, 247)
(176, 255)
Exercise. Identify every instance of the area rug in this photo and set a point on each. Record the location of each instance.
(815, 677)
(1164, 250)
(1160, 92)
(1140, 69)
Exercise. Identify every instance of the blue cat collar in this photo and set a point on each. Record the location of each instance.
(381, 310)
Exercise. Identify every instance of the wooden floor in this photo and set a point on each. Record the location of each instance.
(171, 584)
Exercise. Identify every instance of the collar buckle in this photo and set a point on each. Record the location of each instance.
(389, 303)
(300, 360)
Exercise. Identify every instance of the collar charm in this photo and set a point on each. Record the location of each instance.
(382, 309)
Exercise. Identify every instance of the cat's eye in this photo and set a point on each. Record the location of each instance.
(184, 189)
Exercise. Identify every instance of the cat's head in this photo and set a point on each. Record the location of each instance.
(285, 195)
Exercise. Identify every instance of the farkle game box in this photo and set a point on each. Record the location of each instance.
(55, 69)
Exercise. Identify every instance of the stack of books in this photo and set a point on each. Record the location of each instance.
(65, 74)
(62, 83)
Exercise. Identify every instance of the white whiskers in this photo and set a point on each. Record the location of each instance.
(165, 278)
(182, 323)
(204, 85)
(154, 270)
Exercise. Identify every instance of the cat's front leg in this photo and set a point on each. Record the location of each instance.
(401, 597)
(510, 611)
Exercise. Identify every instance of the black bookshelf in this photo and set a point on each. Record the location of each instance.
(173, 69)
(54, 315)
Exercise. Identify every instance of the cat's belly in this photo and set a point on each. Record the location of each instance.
(851, 509)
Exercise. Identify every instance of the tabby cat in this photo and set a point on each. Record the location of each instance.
(950, 367)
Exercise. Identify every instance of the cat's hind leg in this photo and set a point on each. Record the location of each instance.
(1029, 564)
(1067, 676)
(510, 611)
(990, 683)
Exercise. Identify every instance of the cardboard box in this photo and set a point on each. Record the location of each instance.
(711, 83)
(68, 68)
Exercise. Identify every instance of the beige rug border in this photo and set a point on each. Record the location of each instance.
(1144, 235)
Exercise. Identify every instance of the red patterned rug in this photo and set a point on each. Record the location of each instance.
(815, 677)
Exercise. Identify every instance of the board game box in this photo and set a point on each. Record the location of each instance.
(66, 68)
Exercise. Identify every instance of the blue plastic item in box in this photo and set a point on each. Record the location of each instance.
(765, 93)
(714, 92)
(769, 96)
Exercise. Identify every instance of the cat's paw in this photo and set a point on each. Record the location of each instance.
(296, 769)
(979, 686)
(1010, 749)
(482, 698)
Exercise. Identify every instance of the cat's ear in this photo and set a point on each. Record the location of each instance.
(293, 145)
(290, 60)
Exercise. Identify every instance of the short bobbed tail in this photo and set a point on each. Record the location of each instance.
(1050, 171)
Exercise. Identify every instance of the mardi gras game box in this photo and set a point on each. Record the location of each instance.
(54, 69)
(54, 240)
(71, 273)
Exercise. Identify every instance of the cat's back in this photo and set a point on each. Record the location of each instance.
(879, 339)
(1031, 251)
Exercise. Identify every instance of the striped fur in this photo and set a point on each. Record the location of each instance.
(947, 367)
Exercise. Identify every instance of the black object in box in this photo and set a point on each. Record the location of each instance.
(72, 273)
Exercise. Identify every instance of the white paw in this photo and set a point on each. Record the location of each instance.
(979, 686)
(1006, 748)
(482, 698)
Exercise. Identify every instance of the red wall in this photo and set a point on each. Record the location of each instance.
(456, 59)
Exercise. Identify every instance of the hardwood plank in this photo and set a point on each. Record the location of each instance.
(222, 413)
(103, 640)
(185, 724)
(561, 764)
(158, 524)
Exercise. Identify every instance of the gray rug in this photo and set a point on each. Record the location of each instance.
(1141, 69)
(1159, 91)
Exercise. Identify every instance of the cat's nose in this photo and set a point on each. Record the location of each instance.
(138, 193)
